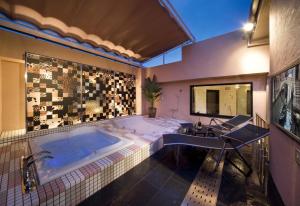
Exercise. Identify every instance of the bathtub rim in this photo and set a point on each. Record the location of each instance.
(124, 142)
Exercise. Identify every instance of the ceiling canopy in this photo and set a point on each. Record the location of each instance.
(259, 14)
(132, 28)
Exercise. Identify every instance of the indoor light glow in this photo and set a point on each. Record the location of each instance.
(254, 62)
(248, 27)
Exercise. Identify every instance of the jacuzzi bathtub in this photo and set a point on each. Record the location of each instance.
(86, 144)
(147, 128)
(73, 149)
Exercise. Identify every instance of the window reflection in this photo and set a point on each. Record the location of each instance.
(222, 100)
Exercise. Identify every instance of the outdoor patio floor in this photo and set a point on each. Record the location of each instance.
(236, 189)
(158, 181)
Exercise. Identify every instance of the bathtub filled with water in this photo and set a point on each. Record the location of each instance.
(73, 149)
(83, 145)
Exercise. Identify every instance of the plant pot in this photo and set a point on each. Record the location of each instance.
(152, 112)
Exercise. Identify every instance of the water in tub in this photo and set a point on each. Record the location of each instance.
(68, 150)
(74, 149)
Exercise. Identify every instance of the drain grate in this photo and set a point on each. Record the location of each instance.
(204, 189)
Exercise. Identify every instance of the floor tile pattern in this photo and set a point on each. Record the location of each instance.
(236, 189)
(12, 135)
(158, 180)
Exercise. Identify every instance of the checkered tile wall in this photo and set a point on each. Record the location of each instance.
(61, 92)
(125, 94)
(97, 93)
(53, 92)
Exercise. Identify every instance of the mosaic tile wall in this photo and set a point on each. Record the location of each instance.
(97, 93)
(61, 92)
(125, 94)
(53, 92)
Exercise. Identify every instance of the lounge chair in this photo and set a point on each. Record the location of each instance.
(231, 141)
(217, 126)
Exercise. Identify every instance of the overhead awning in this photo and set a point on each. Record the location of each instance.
(259, 14)
(136, 29)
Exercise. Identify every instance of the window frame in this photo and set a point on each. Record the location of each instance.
(218, 84)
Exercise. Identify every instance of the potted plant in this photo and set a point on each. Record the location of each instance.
(152, 92)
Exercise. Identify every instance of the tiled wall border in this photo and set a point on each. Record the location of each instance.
(17, 135)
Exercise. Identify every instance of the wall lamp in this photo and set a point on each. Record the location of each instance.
(248, 27)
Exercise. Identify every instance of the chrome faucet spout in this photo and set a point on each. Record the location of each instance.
(29, 163)
(37, 154)
(29, 182)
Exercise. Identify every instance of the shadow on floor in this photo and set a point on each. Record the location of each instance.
(236, 190)
(156, 181)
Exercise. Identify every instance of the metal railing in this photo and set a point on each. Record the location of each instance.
(261, 151)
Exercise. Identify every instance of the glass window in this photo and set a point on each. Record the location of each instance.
(224, 100)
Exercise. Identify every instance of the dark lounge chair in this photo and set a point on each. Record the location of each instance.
(217, 126)
(231, 141)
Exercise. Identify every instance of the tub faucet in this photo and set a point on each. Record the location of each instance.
(29, 163)
(36, 154)
(29, 182)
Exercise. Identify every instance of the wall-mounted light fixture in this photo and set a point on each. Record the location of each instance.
(248, 30)
(248, 27)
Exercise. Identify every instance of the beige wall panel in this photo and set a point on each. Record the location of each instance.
(14, 46)
(13, 95)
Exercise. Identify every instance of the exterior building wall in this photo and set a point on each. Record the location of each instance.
(223, 59)
(284, 51)
(175, 100)
(222, 56)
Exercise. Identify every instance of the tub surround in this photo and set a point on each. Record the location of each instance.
(89, 144)
(117, 133)
(75, 186)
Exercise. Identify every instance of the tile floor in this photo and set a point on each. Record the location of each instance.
(240, 191)
(156, 181)
(159, 182)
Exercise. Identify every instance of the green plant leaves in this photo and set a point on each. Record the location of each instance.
(152, 90)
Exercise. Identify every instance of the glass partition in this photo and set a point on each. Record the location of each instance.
(221, 100)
